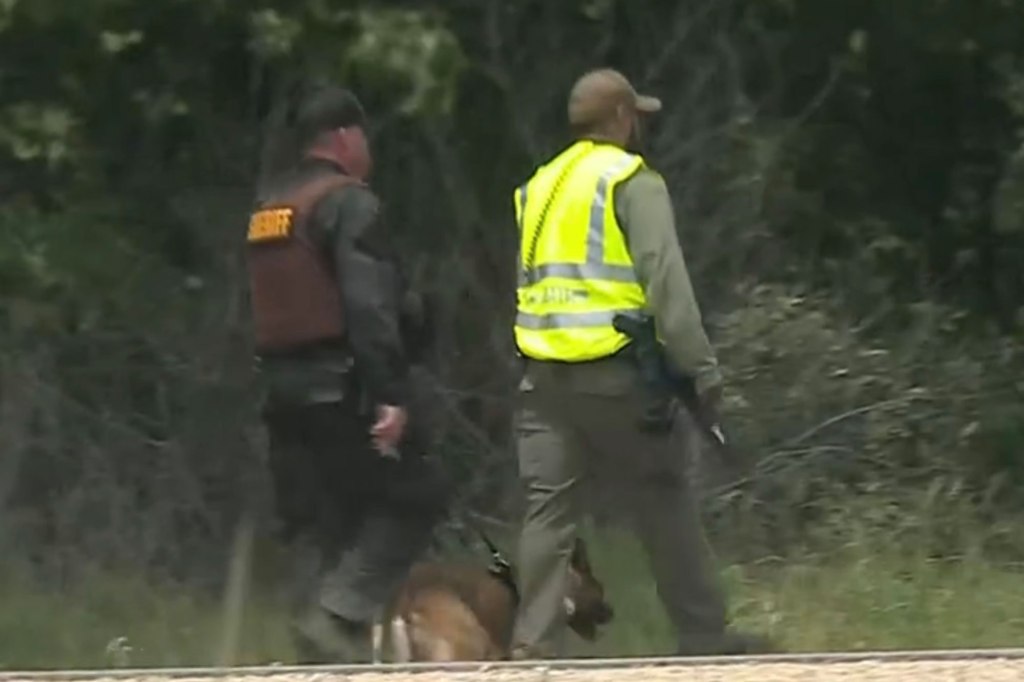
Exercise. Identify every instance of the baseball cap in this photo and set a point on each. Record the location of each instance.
(326, 108)
(596, 95)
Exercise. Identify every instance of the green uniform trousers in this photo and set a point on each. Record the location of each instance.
(581, 450)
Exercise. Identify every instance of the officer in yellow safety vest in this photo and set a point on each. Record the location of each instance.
(597, 238)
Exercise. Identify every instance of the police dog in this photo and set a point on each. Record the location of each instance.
(448, 611)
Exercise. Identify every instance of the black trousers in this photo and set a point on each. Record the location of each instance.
(359, 518)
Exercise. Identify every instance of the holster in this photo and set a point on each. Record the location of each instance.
(659, 404)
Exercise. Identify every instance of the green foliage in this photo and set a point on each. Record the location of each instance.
(923, 427)
(409, 54)
(83, 265)
(33, 132)
(273, 35)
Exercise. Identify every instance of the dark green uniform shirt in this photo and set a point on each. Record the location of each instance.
(644, 211)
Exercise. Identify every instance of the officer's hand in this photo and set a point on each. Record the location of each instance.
(709, 402)
(388, 429)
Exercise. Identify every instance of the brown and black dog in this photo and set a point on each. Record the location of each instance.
(449, 611)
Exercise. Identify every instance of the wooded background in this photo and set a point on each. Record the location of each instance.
(848, 178)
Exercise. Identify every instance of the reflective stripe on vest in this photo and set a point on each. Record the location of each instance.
(601, 318)
(581, 274)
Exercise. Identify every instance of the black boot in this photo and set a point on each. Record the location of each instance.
(322, 637)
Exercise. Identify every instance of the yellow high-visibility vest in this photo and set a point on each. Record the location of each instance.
(575, 272)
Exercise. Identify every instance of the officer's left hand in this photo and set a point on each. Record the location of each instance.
(708, 405)
(387, 431)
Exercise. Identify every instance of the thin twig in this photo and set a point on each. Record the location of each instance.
(839, 418)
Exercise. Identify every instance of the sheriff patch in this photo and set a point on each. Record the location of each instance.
(271, 224)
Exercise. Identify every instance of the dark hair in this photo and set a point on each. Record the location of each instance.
(303, 111)
(325, 108)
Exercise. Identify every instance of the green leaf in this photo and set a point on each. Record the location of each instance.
(6, 13)
(273, 35)
(596, 10)
(858, 41)
(34, 131)
(413, 53)
(115, 42)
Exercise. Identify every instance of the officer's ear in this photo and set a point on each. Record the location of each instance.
(621, 114)
(354, 151)
(340, 138)
(625, 121)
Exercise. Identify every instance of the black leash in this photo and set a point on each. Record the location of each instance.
(500, 567)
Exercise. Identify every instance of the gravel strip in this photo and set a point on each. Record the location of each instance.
(997, 670)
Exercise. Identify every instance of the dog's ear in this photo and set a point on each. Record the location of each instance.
(580, 559)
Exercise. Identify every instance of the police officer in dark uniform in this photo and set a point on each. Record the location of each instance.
(354, 490)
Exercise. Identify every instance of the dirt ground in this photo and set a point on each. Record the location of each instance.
(933, 671)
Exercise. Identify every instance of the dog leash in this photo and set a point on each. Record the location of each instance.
(495, 552)
(501, 568)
